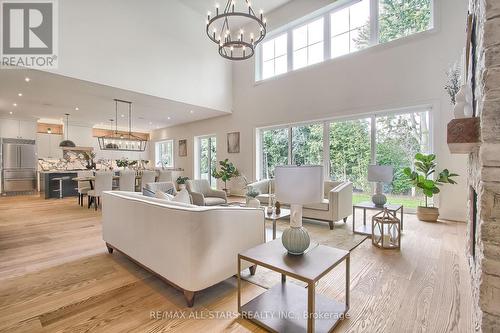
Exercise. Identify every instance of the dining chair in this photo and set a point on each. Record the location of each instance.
(148, 176)
(103, 182)
(126, 181)
(165, 176)
(83, 186)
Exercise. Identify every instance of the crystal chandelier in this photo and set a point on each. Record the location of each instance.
(119, 140)
(236, 44)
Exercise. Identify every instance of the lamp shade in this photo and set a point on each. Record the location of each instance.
(380, 173)
(299, 184)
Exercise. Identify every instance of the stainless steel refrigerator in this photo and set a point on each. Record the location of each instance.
(19, 165)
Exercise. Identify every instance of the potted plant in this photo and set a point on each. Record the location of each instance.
(227, 171)
(181, 182)
(425, 167)
(251, 198)
(122, 163)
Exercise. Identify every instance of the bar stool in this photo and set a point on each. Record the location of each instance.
(60, 180)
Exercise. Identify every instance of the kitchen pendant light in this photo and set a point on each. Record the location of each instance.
(67, 143)
(122, 141)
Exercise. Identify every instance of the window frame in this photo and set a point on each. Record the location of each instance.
(274, 56)
(326, 12)
(158, 162)
(198, 152)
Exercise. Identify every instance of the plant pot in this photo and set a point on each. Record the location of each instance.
(182, 187)
(427, 214)
(252, 202)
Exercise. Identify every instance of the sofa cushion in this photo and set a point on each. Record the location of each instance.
(323, 205)
(182, 196)
(213, 201)
(163, 195)
(148, 193)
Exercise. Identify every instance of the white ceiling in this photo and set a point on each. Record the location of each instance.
(51, 96)
(203, 6)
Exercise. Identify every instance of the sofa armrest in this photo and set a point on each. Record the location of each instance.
(261, 186)
(217, 194)
(340, 198)
(198, 198)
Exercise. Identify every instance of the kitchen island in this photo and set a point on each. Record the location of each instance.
(50, 186)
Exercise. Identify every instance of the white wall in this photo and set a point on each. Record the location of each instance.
(406, 73)
(154, 47)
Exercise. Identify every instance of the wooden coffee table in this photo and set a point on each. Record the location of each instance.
(366, 229)
(288, 307)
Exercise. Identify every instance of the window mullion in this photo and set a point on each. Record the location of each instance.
(374, 22)
(289, 50)
(326, 37)
(326, 149)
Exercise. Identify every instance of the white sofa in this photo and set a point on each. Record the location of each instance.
(336, 205)
(190, 247)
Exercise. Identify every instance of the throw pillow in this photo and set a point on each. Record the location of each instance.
(148, 193)
(163, 195)
(182, 196)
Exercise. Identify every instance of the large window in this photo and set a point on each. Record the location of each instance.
(351, 146)
(351, 25)
(274, 57)
(348, 26)
(274, 150)
(164, 154)
(308, 44)
(207, 158)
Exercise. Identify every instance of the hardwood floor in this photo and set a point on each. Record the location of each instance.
(56, 276)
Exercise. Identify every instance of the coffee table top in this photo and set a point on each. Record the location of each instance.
(371, 205)
(309, 267)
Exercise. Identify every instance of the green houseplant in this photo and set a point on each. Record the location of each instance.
(181, 182)
(421, 177)
(251, 198)
(226, 173)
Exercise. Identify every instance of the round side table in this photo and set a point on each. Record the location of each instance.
(386, 230)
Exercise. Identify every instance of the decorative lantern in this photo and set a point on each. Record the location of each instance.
(386, 230)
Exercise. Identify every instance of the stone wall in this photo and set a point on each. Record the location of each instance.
(484, 169)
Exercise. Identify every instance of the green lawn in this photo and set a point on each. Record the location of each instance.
(407, 202)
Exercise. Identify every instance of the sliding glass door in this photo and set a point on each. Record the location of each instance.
(274, 150)
(207, 158)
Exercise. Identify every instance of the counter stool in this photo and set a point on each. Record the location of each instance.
(60, 180)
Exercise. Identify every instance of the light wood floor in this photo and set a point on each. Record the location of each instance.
(56, 276)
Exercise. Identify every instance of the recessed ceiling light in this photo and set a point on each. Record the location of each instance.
(77, 108)
(27, 79)
(169, 118)
(10, 112)
(15, 104)
(122, 115)
(191, 111)
(20, 94)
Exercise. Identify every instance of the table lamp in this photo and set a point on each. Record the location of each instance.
(379, 174)
(298, 185)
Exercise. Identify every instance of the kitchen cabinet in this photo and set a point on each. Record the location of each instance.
(18, 129)
(48, 145)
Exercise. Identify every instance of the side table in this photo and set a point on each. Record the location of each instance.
(366, 229)
(274, 217)
(287, 307)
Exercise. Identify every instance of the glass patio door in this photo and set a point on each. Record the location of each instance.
(208, 158)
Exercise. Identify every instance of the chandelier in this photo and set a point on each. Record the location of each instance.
(122, 141)
(236, 44)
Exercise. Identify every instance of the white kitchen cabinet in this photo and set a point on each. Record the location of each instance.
(48, 145)
(18, 129)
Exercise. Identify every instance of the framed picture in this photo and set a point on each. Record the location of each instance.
(183, 148)
(233, 142)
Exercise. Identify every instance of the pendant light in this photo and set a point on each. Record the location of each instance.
(67, 142)
(122, 141)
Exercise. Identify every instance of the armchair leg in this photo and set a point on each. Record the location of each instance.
(252, 269)
(345, 219)
(330, 223)
(189, 296)
(110, 249)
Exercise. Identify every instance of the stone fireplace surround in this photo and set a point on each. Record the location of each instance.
(483, 231)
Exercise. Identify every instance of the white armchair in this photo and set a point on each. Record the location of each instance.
(336, 205)
(203, 195)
